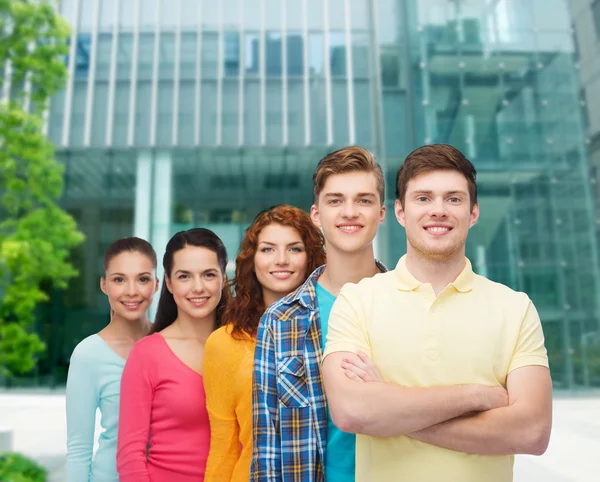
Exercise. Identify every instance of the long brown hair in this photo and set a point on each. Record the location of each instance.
(244, 311)
(166, 313)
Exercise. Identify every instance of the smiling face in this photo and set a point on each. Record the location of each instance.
(349, 211)
(130, 283)
(196, 282)
(437, 214)
(280, 261)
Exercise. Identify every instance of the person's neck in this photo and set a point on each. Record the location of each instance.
(130, 330)
(342, 268)
(438, 272)
(193, 328)
(270, 297)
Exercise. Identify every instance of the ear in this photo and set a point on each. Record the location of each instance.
(103, 284)
(314, 215)
(156, 285)
(399, 212)
(474, 215)
(382, 212)
(168, 284)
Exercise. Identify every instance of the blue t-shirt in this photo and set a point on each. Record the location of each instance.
(341, 446)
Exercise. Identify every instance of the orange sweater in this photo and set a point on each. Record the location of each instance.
(228, 384)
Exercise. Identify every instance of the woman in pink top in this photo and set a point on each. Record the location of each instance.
(164, 432)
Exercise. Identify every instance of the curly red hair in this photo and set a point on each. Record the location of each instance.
(243, 313)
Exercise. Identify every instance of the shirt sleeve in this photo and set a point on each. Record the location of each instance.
(530, 349)
(220, 366)
(347, 324)
(81, 402)
(135, 412)
(266, 452)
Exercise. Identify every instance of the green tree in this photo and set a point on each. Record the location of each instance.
(36, 235)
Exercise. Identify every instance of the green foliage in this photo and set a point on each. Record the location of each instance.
(17, 468)
(36, 235)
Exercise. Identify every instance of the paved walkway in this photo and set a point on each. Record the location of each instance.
(38, 422)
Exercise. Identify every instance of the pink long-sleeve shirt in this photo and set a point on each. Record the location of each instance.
(164, 431)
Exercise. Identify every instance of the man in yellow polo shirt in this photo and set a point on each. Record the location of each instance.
(437, 332)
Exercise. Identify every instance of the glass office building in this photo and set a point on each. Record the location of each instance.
(182, 113)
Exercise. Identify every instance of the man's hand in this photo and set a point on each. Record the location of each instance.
(490, 397)
(361, 368)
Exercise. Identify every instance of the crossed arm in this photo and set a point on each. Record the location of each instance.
(384, 410)
(520, 427)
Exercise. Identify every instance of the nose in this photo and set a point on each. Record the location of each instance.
(283, 258)
(130, 288)
(198, 284)
(437, 208)
(349, 210)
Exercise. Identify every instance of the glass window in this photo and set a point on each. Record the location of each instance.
(318, 112)
(359, 14)
(143, 102)
(339, 96)
(252, 54)
(187, 107)
(230, 114)
(295, 15)
(295, 54)
(121, 112)
(337, 14)
(596, 16)
(164, 120)
(208, 113)
(362, 112)
(107, 15)
(272, 14)
(252, 100)
(337, 53)
(315, 53)
(210, 52)
(99, 114)
(231, 54)
(295, 112)
(273, 48)
(274, 113)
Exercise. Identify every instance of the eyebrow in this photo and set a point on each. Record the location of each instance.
(273, 244)
(185, 271)
(123, 274)
(360, 194)
(428, 191)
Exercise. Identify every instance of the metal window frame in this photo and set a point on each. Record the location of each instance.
(91, 83)
(112, 76)
(66, 133)
(134, 73)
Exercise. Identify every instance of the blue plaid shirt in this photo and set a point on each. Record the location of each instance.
(289, 419)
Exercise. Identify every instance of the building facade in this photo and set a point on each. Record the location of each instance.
(182, 113)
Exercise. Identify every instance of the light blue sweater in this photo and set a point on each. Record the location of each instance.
(93, 383)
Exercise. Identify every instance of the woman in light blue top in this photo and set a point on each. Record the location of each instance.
(97, 362)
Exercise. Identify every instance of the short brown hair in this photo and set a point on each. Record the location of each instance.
(348, 159)
(435, 157)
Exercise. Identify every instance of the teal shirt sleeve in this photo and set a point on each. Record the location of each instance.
(82, 402)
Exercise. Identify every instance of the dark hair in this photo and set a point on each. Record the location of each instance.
(435, 157)
(200, 237)
(348, 159)
(133, 244)
(246, 308)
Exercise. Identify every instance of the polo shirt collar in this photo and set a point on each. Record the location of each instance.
(407, 282)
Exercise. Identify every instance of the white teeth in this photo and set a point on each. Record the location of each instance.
(438, 229)
(197, 300)
(132, 304)
(350, 228)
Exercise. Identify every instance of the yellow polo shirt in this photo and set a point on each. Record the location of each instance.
(474, 331)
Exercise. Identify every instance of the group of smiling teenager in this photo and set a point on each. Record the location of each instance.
(305, 368)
